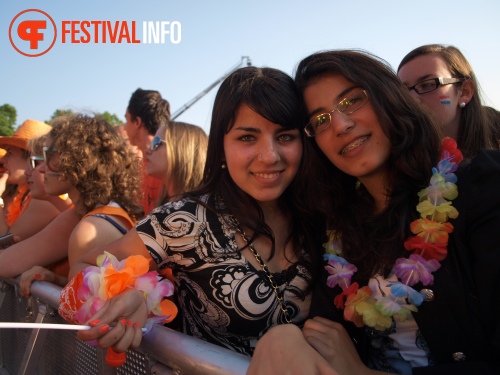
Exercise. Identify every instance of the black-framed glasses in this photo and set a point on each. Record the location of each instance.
(157, 141)
(432, 84)
(35, 161)
(351, 103)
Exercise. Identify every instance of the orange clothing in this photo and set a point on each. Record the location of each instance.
(18, 204)
(152, 188)
(111, 210)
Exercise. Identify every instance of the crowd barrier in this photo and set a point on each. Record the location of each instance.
(47, 352)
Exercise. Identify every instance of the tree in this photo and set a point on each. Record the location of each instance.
(111, 118)
(59, 112)
(8, 116)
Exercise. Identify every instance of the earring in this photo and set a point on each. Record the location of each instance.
(223, 166)
(462, 104)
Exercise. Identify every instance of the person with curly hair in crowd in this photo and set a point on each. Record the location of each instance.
(87, 159)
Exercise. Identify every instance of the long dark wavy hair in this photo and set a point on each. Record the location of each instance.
(373, 241)
(476, 130)
(273, 95)
(95, 159)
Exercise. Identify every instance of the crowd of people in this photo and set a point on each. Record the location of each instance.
(339, 222)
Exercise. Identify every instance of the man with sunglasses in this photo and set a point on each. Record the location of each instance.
(146, 112)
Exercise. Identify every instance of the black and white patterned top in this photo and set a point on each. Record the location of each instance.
(222, 298)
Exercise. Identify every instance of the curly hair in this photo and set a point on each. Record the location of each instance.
(35, 145)
(96, 160)
(476, 130)
(373, 242)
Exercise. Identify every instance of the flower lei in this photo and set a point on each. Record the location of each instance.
(428, 247)
(111, 277)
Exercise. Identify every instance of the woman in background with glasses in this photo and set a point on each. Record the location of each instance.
(412, 267)
(441, 78)
(177, 156)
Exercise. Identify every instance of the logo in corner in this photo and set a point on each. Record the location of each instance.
(32, 32)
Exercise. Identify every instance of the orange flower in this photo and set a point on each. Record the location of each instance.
(431, 231)
(116, 282)
(167, 308)
(138, 265)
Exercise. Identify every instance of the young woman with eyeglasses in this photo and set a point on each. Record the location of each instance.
(177, 156)
(242, 246)
(441, 78)
(412, 267)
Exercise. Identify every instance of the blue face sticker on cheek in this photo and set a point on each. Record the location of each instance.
(445, 100)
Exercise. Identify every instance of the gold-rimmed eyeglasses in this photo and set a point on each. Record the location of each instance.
(351, 103)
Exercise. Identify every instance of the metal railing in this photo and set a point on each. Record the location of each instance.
(45, 351)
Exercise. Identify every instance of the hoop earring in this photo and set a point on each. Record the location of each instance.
(462, 104)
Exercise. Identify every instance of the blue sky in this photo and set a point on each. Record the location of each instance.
(216, 34)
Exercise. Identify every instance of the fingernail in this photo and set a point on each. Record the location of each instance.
(129, 323)
(94, 322)
(104, 329)
(123, 321)
(137, 324)
(37, 276)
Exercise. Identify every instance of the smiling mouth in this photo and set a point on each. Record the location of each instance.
(353, 145)
(267, 175)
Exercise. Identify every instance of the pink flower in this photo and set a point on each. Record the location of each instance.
(416, 269)
(340, 273)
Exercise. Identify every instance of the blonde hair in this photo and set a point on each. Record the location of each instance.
(35, 145)
(186, 152)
